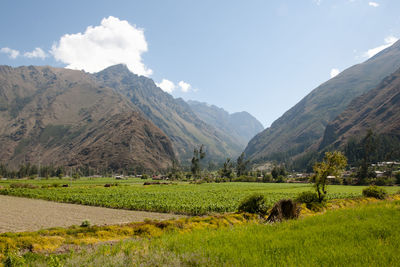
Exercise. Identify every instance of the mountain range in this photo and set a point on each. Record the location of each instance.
(110, 119)
(377, 110)
(242, 126)
(304, 124)
(64, 117)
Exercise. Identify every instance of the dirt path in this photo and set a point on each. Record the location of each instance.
(24, 214)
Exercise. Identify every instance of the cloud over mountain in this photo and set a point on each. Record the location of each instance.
(112, 42)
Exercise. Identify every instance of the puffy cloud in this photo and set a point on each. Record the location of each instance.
(166, 85)
(185, 87)
(373, 4)
(36, 53)
(390, 40)
(334, 72)
(11, 52)
(114, 41)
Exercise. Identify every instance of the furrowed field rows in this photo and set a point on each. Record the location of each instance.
(180, 198)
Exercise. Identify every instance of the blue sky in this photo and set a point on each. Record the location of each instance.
(258, 56)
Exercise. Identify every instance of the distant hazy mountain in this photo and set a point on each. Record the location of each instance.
(378, 110)
(173, 116)
(242, 126)
(304, 124)
(63, 117)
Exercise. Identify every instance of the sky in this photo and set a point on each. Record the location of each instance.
(257, 56)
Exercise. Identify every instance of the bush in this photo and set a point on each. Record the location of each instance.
(374, 191)
(397, 175)
(381, 181)
(254, 204)
(85, 223)
(307, 197)
(284, 209)
(22, 185)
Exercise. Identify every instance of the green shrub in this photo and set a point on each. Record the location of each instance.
(374, 191)
(85, 223)
(397, 175)
(255, 204)
(307, 197)
(23, 185)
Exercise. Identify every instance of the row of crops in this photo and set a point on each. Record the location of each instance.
(180, 198)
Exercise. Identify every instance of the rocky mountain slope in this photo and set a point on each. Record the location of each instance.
(172, 116)
(64, 117)
(377, 110)
(304, 124)
(242, 126)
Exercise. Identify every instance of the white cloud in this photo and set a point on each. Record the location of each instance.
(373, 4)
(114, 41)
(36, 53)
(334, 72)
(11, 52)
(185, 87)
(166, 85)
(390, 40)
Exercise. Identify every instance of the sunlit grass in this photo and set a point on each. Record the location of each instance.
(367, 235)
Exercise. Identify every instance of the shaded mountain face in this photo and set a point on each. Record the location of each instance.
(173, 116)
(377, 110)
(63, 117)
(304, 124)
(241, 126)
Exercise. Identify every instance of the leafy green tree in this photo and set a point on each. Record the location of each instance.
(368, 149)
(241, 165)
(198, 155)
(227, 169)
(275, 172)
(332, 165)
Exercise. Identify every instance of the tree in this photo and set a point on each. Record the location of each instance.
(275, 172)
(227, 169)
(332, 164)
(241, 165)
(368, 149)
(198, 155)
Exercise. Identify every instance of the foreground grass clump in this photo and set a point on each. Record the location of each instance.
(364, 236)
(182, 198)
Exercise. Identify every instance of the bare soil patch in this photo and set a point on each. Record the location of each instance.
(24, 214)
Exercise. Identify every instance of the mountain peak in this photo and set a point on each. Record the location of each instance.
(120, 69)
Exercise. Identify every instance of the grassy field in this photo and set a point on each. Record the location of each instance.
(181, 198)
(367, 235)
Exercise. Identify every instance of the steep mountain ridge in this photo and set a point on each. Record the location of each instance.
(377, 110)
(242, 126)
(173, 116)
(63, 117)
(304, 124)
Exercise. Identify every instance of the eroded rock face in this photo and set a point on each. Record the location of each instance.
(64, 117)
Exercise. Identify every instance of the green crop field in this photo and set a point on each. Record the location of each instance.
(192, 199)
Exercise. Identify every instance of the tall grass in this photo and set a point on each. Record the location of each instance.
(364, 236)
